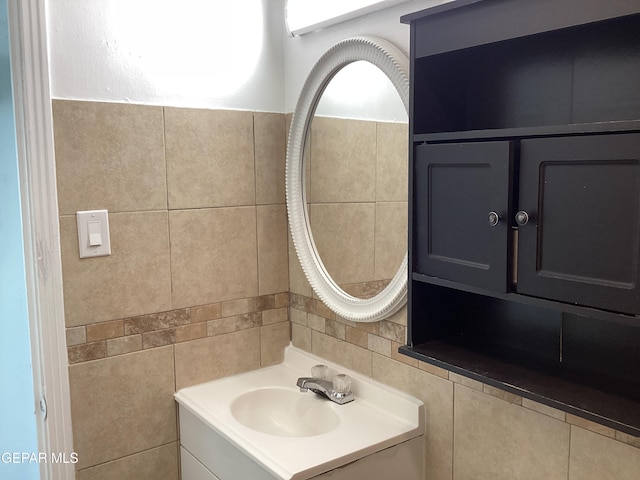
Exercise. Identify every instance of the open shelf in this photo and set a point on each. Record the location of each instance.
(625, 126)
(580, 75)
(605, 315)
(550, 353)
(566, 394)
(523, 200)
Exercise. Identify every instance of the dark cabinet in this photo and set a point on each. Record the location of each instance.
(569, 232)
(524, 200)
(582, 240)
(462, 199)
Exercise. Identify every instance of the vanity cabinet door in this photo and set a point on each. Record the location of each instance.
(461, 202)
(579, 240)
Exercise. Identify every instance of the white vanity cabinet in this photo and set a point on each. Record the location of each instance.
(379, 435)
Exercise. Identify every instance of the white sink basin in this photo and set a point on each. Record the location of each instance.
(284, 412)
(259, 426)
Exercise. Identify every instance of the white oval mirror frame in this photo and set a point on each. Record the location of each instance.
(395, 64)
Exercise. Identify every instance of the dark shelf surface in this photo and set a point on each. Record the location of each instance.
(605, 315)
(615, 411)
(531, 132)
(562, 8)
(445, 7)
(464, 23)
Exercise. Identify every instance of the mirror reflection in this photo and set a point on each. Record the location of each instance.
(356, 179)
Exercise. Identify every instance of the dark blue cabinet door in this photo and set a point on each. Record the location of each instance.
(461, 206)
(582, 241)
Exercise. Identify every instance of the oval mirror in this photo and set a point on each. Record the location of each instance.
(350, 303)
(356, 179)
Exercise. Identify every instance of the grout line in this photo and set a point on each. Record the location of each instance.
(569, 456)
(166, 177)
(255, 203)
(286, 213)
(453, 430)
(131, 454)
(175, 379)
(255, 173)
(375, 202)
(164, 156)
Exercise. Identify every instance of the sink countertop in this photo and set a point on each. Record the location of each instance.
(378, 418)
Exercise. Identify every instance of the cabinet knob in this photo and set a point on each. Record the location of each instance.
(494, 219)
(522, 218)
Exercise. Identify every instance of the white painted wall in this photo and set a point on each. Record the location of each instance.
(301, 53)
(362, 91)
(195, 53)
(192, 53)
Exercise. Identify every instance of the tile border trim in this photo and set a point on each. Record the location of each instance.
(143, 332)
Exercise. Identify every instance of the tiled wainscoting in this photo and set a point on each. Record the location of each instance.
(122, 405)
(197, 284)
(118, 337)
(474, 431)
(357, 197)
(204, 283)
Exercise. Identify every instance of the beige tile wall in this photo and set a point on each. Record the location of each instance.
(197, 284)
(358, 197)
(474, 431)
(141, 324)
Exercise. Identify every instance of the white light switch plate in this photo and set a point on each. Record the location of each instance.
(93, 233)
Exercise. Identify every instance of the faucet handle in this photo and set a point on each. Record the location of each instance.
(342, 384)
(320, 371)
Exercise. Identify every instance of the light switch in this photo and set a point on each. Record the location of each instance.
(93, 233)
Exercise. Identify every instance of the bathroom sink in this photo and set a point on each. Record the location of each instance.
(258, 425)
(284, 412)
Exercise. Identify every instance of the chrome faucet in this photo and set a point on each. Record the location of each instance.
(337, 390)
